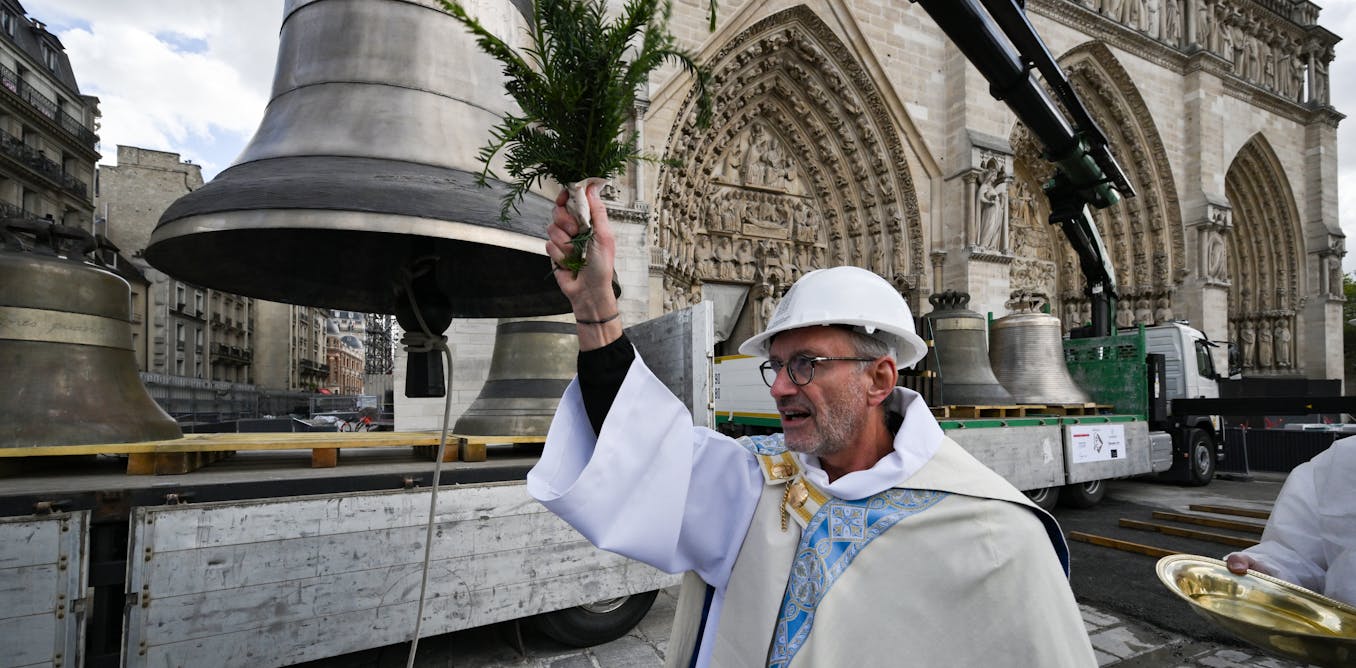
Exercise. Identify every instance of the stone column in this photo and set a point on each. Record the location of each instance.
(1318, 331)
(1206, 212)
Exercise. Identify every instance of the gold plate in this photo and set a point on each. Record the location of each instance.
(1268, 612)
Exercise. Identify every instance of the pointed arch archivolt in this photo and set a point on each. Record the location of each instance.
(801, 168)
(1143, 235)
(1265, 259)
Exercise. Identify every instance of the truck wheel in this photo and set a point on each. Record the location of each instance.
(1200, 457)
(595, 623)
(1045, 497)
(1083, 494)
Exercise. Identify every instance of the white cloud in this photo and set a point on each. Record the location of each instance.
(192, 77)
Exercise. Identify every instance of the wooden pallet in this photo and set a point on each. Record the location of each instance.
(1069, 410)
(194, 451)
(966, 412)
(472, 448)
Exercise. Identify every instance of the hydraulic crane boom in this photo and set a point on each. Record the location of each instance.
(996, 37)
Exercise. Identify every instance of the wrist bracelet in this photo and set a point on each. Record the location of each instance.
(610, 318)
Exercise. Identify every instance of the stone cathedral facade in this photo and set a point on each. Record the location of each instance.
(853, 132)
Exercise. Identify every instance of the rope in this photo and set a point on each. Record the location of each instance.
(425, 341)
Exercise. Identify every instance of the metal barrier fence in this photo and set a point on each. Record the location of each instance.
(195, 400)
(1276, 450)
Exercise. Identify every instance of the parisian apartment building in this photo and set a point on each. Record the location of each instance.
(197, 332)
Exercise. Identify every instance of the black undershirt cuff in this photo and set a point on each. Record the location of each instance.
(601, 372)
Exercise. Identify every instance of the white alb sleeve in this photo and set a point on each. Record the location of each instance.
(651, 486)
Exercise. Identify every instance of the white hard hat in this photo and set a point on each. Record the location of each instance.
(845, 296)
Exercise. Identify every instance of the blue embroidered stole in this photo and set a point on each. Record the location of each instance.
(832, 535)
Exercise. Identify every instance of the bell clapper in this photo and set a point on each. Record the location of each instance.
(578, 206)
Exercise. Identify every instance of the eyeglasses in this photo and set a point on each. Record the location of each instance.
(801, 368)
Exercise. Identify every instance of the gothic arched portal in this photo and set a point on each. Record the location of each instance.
(1265, 260)
(802, 168)
(1143, 235)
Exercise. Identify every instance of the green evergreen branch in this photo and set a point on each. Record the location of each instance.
(576, 84)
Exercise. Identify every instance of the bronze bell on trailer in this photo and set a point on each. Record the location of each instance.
(358, 191)
(532, 364)
(961, 339)
(66, 358)
(1026, 352)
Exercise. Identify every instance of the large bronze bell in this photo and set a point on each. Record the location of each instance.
(961, 340)
(66, 358)
(532, 364)
(1027, 356)
(361, 178)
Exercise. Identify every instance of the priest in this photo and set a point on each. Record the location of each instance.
(859, 536)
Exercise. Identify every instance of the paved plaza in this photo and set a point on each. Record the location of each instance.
(1117, 642)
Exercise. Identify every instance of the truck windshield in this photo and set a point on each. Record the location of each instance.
(1205, 363)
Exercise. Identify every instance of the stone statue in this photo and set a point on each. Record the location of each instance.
(1264, 345)
(1151, 22)
(1283, 344)
(1248, 340)
(725, 259)
(1125, 316)
(766, 304)
(992, 200)
(1204, 25)
(1296, 78)
(1215, 261)
(1163, 312)
(1172, 23)
(1320, 89)
(706, 265)
(1144, 315)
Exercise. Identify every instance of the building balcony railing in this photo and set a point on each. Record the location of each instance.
(42, 165)
(10, 81)
(8, 210)
(310, 368)
(235, 355)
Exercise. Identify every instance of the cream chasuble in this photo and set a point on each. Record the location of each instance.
(927, 559)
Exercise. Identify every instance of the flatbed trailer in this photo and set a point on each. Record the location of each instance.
(265, 559)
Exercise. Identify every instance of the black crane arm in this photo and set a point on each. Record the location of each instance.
(996, 37)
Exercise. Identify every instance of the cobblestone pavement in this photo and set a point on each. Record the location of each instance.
(1117, 642)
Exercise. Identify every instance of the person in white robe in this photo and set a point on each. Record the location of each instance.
(1310, 538)
(860, 536)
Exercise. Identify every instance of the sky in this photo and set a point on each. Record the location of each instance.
(193, 76)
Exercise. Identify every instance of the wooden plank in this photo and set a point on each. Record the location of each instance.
(1230, 510)
(1028, 457)
(257, 521)
(27, 640)
(324, 458)
(29, 590)
(245, 565)
(963, 412)
(1122, 545)
(27, 542)
(470, 449)
(322, 637)
(1222, 539)
(203, 614)
(42, 572)
(240, 442)
(336, 575)
(1202, 520)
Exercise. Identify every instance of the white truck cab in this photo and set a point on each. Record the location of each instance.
(1188, 360)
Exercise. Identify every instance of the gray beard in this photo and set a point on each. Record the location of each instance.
(836, 426)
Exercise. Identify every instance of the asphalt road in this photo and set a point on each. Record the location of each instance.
(1126, 583)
